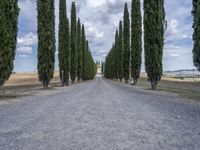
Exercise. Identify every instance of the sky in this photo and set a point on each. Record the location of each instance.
(101, 19)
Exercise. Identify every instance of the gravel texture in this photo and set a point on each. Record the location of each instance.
(100, 115)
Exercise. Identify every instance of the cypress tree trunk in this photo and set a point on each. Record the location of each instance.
(154, 19)
(79, 44)
(196, 34)
(126, 32)
(73, 69)
(64, 45)
(46, 40)
(120, 51)
(83, 53)
(136, 40)
(9, 12)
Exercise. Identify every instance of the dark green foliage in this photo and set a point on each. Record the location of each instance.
(79, 48)
(90, 70)
(109, 71)
(120, 47)
(114, 60)
(154, 19)
(116, 56)
(64, 44)
(88, 64)
(126, 33)
(74, 64)
(46, 40)
(102, 67)
(136, 40)
(83, 53)
(196, 34)
(9, 12)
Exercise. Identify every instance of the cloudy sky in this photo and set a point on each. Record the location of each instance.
(101, 19)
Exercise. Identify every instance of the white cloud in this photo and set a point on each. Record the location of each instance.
(95, 3)
(29, 39)
(23, 56)
(172, 26)
(25, 50)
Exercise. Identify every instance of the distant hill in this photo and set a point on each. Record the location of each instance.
(183, 72)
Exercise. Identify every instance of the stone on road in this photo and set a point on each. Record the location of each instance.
(100, 115)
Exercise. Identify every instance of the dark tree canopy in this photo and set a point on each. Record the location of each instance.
(136, 40)
(9, 12)
(74, 64)
(196, 34)
(121, 49)
(126, 35)
(64, 44)
(79, 48)
(154, 20)
(46, 40)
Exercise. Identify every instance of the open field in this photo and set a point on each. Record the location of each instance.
(24, 84)
(28, 79)
(185, 88)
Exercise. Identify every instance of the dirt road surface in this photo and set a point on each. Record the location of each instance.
(100, 115)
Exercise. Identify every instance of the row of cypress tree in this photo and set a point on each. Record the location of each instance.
(75, 59)
(124, 59)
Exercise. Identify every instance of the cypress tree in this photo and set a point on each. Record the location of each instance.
(136, 40)
(79, 47)
(110, 64)
(9, 12)
(83, 45)
(116, 56)
(90, 65)
(73, 68)
(46, 41)
(64, 45)
(126, 33)
(120, 51)
(196, 34)
(102, 68)
(154, 19)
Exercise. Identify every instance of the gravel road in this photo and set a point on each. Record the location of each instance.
(100, 115)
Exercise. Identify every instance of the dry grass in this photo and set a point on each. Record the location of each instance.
(25, 84)
(186, 89)
(28, 79)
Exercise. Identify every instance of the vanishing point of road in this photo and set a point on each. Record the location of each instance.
(100, 115)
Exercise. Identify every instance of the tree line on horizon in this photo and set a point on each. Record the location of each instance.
(75, 58)
(125, 57)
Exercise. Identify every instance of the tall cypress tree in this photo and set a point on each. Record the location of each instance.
(79, 48)
(73, 69)
(196, 34)
(116, 56)
(121, 47)
(126, 33)
(83, 45)
(9, 12)
(102, 68)
(136, 40)
(46, 41)
(64, 45)
(154, 19)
